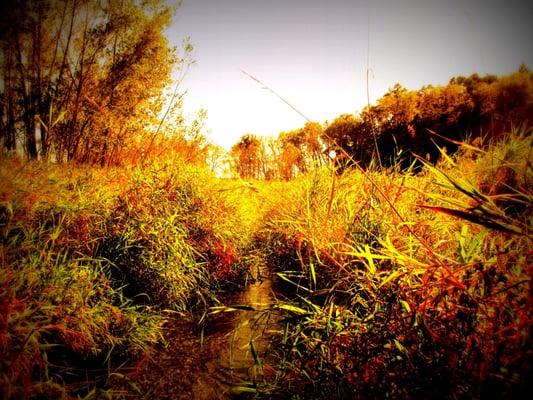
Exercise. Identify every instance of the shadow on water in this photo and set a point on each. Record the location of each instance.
(211, 363)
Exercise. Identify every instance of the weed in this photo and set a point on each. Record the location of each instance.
(423, 300)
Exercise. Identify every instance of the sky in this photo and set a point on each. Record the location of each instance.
(315, 54)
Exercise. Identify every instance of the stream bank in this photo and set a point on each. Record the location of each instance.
(214, 360)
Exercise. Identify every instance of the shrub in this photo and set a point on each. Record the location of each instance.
(90, 260)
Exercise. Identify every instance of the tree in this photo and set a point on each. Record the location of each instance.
(216, 159)
(246, 157)
(301, 149)
(498, 103)
(88, 77)
(314, 146)
(444, 110)
(353, 136)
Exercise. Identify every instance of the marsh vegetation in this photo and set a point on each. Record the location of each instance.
(384, 254)
(385, 281)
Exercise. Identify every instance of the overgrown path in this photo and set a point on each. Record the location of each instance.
(92, 261)
(220, 354)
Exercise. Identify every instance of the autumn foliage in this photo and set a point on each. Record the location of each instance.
(399, 238)
(89, 82)
(402, 125)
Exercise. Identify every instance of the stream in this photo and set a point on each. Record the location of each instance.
(192, 367)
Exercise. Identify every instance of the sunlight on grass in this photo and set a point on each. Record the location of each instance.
(426, 300)
(388, 282)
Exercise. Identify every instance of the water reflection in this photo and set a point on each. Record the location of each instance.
(189, 368)
(245, 340)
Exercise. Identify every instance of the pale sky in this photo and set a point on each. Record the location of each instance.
(314, 53)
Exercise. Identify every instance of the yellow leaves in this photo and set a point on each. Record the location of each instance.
(313, 273)
(391, 277)
(367, 257)
(405, 258)
(225, 309)
(405, 305)
(400, 347)
(291, 308)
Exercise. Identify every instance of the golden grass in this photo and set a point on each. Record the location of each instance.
(399, 284)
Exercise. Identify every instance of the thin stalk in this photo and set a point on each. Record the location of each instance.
(374, 185)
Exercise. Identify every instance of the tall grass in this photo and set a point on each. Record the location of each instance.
(92, 260)
(419, 289)
(60, 311)
(390, 283)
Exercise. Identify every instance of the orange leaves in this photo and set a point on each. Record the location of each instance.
(221, 261)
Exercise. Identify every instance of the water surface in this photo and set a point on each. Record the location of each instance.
(211, 361)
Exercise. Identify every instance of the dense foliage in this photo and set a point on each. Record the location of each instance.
(402, 124)
(390, 282)
(406, 286)
(401, 236)
(88, 81)
(93, 261)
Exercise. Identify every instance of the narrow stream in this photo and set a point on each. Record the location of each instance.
(212, 368)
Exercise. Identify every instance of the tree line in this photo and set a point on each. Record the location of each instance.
(88, 82)
(401, 125)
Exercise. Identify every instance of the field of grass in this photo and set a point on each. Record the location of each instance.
(94, 260)
(395, 284)
(407, 286)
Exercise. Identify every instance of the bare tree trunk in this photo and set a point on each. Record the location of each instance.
(8, 108)
(27, 117)
(38, 93)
